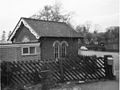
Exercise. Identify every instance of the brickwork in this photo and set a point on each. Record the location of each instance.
(27, 57)
(15, 54)
(47, 49)
(8, 54)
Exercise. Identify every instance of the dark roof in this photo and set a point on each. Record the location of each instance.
(51, 28)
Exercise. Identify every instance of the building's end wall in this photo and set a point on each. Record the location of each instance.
(21, 33)
(14, 53)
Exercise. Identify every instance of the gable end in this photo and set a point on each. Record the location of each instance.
(26, 25)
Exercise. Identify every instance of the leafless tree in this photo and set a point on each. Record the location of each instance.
(9, 34)
(52, 13)
(3, 36)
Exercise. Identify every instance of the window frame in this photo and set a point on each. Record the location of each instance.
(23, 51)
(28, 50)
(60, 49)
(34, 49)
(58, 53)
(65, 49)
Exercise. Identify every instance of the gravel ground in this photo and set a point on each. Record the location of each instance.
(106, 85)
(101, 85)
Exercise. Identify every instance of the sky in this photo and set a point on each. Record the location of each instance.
(100, 13)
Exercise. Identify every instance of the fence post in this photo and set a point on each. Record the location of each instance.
(105, 66)
(61, 70)
(108, 67)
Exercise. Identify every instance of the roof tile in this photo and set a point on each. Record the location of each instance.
(51, 28)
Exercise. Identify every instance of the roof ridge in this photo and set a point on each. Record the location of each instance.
(43, 20)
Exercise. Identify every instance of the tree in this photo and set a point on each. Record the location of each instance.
(52, 13)
(79, 29)
(9, 34)
(87, 26)
(95, 32)
(3, 36)
(112, 34)
(100, 37)
(84, 31)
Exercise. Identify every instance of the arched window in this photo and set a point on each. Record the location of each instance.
(56, 46)
(64, 44)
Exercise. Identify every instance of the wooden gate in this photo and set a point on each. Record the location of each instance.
(83, 68)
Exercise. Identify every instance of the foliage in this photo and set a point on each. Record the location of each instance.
(111, 35)
(97, 40)
(83, 29)
(52, 13)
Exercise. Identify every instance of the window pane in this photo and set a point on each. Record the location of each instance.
(63, 50)
(56, 50)
(25, 50)
(32, 50)
(56, 55)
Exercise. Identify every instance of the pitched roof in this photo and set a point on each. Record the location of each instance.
(42, 28)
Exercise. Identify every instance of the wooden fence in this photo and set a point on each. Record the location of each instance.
(83, 68)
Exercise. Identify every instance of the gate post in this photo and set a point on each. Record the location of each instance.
(61, 70)
(108, 67)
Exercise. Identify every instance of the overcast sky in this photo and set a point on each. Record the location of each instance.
(104, 13)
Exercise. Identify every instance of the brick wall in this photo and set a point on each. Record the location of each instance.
(8, 54)
(47, 49)
(11, 53)
(27, 57)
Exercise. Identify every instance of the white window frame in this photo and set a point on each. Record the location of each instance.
(25, 53)
(58, 48)
(29, 50)
(66, 45)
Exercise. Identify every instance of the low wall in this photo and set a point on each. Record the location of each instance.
(97, 53)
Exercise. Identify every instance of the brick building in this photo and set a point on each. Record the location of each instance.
(39, 39)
